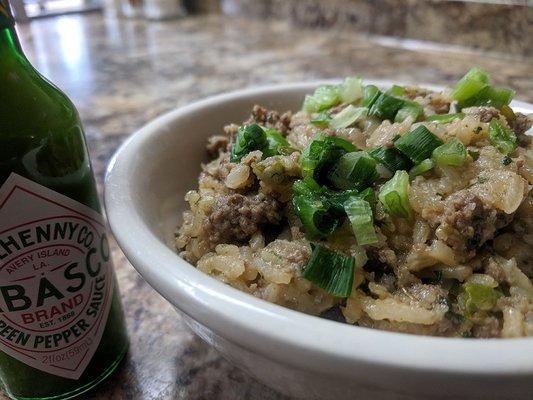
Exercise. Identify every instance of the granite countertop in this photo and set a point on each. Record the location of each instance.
(122, 73)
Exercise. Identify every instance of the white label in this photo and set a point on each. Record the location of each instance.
(56, 278)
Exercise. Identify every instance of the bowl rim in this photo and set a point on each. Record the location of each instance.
(246, 320)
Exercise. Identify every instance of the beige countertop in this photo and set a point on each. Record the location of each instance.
(122, 73)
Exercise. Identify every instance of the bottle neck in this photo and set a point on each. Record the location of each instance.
(9, 42)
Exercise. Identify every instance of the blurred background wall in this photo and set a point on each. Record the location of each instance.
(504, 26)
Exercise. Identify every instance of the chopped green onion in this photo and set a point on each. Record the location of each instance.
(321, 120)
(489, 96)
(321, 154)
(369, 196)
(324, 97)
(421, 168)
(342, 143)
(478, 297)
(386, 106)
(336, 199)
(306, 186)
(249, 138)
(331, 271)
(410, 109)
(418, 144)
(391, 158)
(396, 91)
(351, 90)
(355, 170)
(453, 153)
(277, 144)
(504, 139)
(445, 118)
(359, 213)
(348, 116)
(370, 95)
(394, 195)
(317, 217)
(469, 85)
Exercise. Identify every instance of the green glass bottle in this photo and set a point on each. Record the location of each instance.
(62, 328)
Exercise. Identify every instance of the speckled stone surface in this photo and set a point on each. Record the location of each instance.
(503, 26)
(122, 73)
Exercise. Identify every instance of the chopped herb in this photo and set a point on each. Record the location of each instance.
(394, 195)
(507, 160)
(249, 138)
(391, 158)
(351, 90)
(359, 213)
(453, 153)
(356, 170)
(421, 168)
(347, 117)
(331, 271)
(501, 137)
(321, 120)
(418, 144)
(324, 97)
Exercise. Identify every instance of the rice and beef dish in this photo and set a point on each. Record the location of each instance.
(402, 209)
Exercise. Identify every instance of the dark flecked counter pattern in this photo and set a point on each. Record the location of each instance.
(122, 73)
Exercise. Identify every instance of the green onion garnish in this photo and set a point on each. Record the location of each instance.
(386, 106)
(370, 95)
(355, 170)
(318, 218)
(321, 154)
(421, 168)
(359, 213)
(394, 195)
(324, 97)
(489, 96)
(474, 89)
(348, 116)
(445, 118)
(342, 143)
(336, 199)
(331, 271)
(351, 90)
(321, 120)
(476, 297)
(418, 144)
(277, 144)
(396, 91)
(306, 186)
(469, 85)
(453, 153)
(504, 139)
(249, 138)
(391, 158)
(409, 109)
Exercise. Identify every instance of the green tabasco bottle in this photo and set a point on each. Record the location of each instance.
(61, 322)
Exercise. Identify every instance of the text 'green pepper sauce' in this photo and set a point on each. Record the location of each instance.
(62, 328)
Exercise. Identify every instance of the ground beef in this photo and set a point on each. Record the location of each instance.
(468, 222)
(216, 144)
(438, 102)
(235, 218)
(485, 114)
(520, 124)
(270, 118)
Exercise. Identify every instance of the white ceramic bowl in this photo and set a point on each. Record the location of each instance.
(297, 354)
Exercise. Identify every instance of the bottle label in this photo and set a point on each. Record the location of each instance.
(56, 278)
